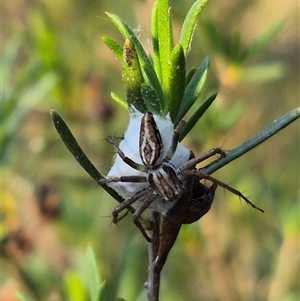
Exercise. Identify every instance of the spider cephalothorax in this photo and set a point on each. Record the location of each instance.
(163, 181)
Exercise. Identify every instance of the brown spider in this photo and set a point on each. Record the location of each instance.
(165, 181)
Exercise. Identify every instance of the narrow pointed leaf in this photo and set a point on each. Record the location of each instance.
(236, 53)
(264, 40)
(214, 36)
(74, 286)
(255, 140)
(196, 116)
(264, 72)
(177, 80)
(72, 145)
(119, 100)
(165, 43)
(132, 76)
(74, 148)
(144, 60)
(23, 297)
(92, 275)
(193, 89)
(155, 44)
(190, 74)
(150, 98)
(189, 24)
(114, 46)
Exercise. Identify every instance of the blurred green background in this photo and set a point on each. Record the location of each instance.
(53, 57)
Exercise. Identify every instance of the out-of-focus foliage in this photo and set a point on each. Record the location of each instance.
(53, 57)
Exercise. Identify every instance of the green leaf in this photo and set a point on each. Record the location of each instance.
(177, 80)
(165, 43)
(264, 40)
(190, 74)
(150, 98)
(196, 116)
(119, 100)
(214, 36)
(23, 297)
(92, 274)
(144, 60)
(263, 72)
(155, 44)
(114, 46)
(193, 90)
(189, 24)
(72, 145)
(74, 286)
(9, 56)
(132, 76)
(236, 53)
(16, 108)
(74, 148)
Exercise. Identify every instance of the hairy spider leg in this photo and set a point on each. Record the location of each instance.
(128, 179)
(126, 159)
(131, 163)
(202, 175)
(194, 161)
(149, 198)
(137, 214)
(126, 203)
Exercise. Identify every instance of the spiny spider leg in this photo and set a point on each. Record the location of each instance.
(120, 217)
(194, 161)
(137, 214)
(203, 175)
(149, 198)
(126, 159)
(125, 204)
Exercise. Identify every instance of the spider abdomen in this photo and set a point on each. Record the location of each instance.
(165, 182)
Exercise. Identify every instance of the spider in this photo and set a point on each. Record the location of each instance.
(164, 180)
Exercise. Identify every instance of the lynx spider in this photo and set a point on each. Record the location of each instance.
(164, 180)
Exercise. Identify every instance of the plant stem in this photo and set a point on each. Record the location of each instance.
(255, 140)
(153, 283)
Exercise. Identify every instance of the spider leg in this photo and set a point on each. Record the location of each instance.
(137, 214)
(125, 204)
(175, 140)
(194, 161)
(120, 217)
(129, 179)
(203, 175)
(127, 160)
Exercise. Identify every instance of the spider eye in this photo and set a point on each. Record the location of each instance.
(150, 146)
